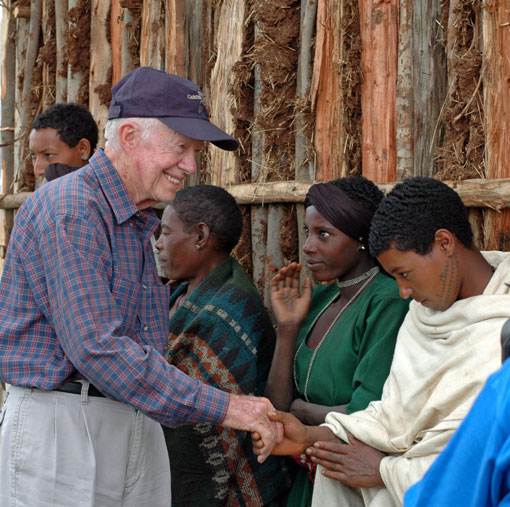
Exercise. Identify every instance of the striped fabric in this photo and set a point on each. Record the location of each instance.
(223, 336)
(80, 295)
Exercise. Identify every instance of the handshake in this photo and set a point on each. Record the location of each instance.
(281, 433)
(273, 432)
(293, 437)
(258, 416)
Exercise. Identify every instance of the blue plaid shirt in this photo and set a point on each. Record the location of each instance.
(79, 296)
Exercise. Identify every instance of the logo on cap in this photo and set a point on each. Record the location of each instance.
(198, 96)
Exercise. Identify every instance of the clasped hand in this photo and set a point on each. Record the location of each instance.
(356, 464)
(250, 413)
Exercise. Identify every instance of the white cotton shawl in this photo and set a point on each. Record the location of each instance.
(441, 362)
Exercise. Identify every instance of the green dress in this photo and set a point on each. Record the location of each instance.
(353, 361)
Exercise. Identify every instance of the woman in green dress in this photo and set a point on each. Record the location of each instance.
(334, 343)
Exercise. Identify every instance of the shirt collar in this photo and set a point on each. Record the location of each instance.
(113, 187)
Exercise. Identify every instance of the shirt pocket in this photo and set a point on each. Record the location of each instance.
(126, 294)
(154, 314)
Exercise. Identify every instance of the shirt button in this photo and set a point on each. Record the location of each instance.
(144, 287)
(145, 328)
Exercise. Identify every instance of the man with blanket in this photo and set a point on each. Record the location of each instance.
(446, 348)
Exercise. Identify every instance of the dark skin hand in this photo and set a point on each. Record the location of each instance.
(356, 465)
(297, 436)
(290, 305)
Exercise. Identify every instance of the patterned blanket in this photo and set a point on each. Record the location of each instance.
(222, 335)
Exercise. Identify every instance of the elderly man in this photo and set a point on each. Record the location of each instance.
(84, 318)
(446, 348)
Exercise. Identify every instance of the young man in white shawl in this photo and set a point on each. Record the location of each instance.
(446, 348)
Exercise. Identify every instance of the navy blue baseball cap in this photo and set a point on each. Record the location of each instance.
(150, 93)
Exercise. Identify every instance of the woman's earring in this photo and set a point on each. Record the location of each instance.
(197, 246)
(362, 246)
(84, 157)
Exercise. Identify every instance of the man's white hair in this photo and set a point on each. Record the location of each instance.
(147, 126)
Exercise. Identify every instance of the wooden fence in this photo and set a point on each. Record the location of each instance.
(313, 89)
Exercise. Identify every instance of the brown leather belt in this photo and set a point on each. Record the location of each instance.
(75, 388)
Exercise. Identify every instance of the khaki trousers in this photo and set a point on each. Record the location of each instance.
(59, 449)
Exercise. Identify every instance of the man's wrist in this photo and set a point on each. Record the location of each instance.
(227, 406)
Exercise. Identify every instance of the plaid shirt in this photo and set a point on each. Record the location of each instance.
(79, 296)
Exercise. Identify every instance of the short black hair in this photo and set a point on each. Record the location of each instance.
(72, 122)
(213, 206)
(409, 216)
(361, 189)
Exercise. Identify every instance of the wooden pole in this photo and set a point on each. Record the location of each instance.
(7, 120)
(75, 78)
(225, 164)
(274, 256)
(175, 55)
(21, 38)
(149, 43)
(326, 94)
(379, 36)
(493, 194)
(304, 168)
(404, 95)
(100, 65)
(60, 31)
(26, 115)
(485, 193)
(496, 29)
(48, 29)
(13, 201)
(127, 56)
(419, 100)
(116, 30)
(195, 41)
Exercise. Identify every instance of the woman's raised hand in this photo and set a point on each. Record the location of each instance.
(290, 305)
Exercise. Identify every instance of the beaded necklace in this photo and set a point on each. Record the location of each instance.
(371, 276)
(354, 281)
